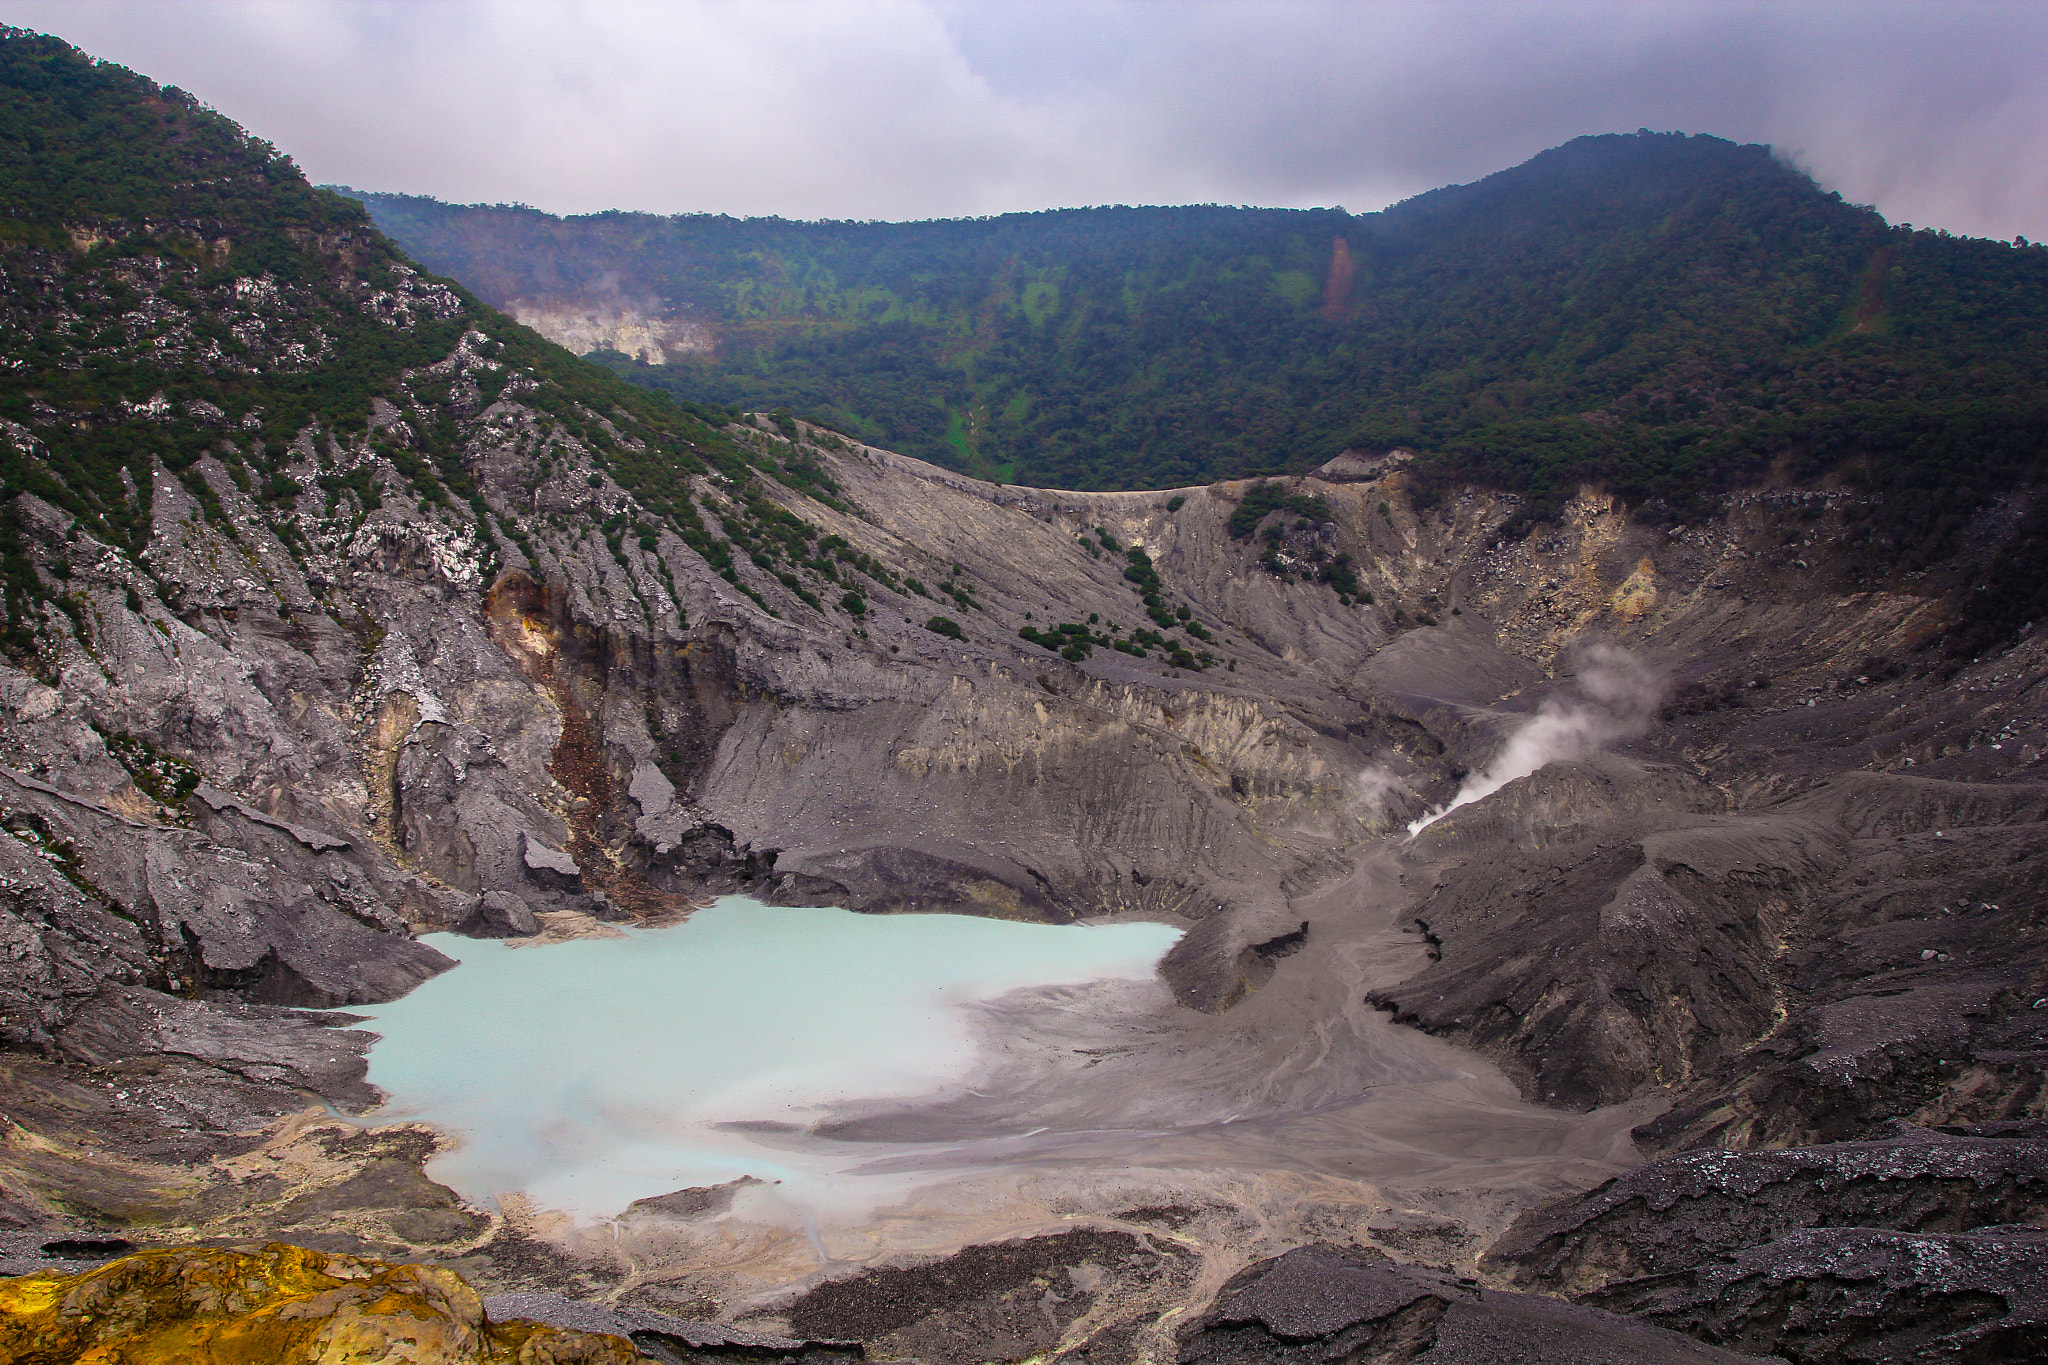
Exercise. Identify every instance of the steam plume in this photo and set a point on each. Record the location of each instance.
(1374, 786)
(1621, 695)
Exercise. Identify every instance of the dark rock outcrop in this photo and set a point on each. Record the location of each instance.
(697, 1201)
(1320, 1306)
(500, 914)
(1842, 1295)
(259, 1042)
(1924, 1247)
(670, 1339)
(997, 1301)
(1704, 1206)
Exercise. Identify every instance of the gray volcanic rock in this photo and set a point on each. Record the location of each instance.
(261, 1043)
(420, 747)
(58, 944)
(1599, 869)
(1923, 1247)
(1674, 938)
(1319, 1306)
(665, 1338)
(1910, 976)
(1840, 1295)
(500, 914)
(694, 1202)
(538, 857)
(313, 839)
(997, 1301)
(1703, 1207)
(411, 1207)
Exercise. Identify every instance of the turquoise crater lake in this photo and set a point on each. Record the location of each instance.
(587, 1074)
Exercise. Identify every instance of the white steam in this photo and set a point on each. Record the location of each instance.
(1374, 786)
(1621, 695)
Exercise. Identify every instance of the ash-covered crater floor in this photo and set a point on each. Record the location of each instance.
(884, 1085)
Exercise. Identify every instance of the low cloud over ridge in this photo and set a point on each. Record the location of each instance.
(923, 108)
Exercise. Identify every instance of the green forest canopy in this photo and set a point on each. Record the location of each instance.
(1662, 314)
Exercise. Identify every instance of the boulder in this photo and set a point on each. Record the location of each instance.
(500, 914)
(547, 865)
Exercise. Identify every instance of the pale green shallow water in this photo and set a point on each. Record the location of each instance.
(592, 1073)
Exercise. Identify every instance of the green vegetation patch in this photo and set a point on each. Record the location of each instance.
(1264, 498)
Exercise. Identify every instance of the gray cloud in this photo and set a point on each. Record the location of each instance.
(922, 108)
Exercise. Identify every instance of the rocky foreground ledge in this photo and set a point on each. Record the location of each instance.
(1925, 1246)
(287, 1305)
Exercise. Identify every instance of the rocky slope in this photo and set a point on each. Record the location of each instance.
(485, 642)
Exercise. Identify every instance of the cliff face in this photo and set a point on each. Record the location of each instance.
(645, 330)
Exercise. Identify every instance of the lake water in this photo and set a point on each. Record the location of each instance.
(591, 1073)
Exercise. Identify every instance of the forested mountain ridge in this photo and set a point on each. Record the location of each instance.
(173, 293)
(1669, 316)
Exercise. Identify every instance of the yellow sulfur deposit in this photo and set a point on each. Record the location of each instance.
(282, 1305)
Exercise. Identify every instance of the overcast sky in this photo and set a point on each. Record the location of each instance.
(1937, 113)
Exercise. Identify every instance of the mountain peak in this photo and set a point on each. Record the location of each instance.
(87, 141)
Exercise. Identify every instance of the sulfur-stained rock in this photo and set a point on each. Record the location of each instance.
(282, 1305)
